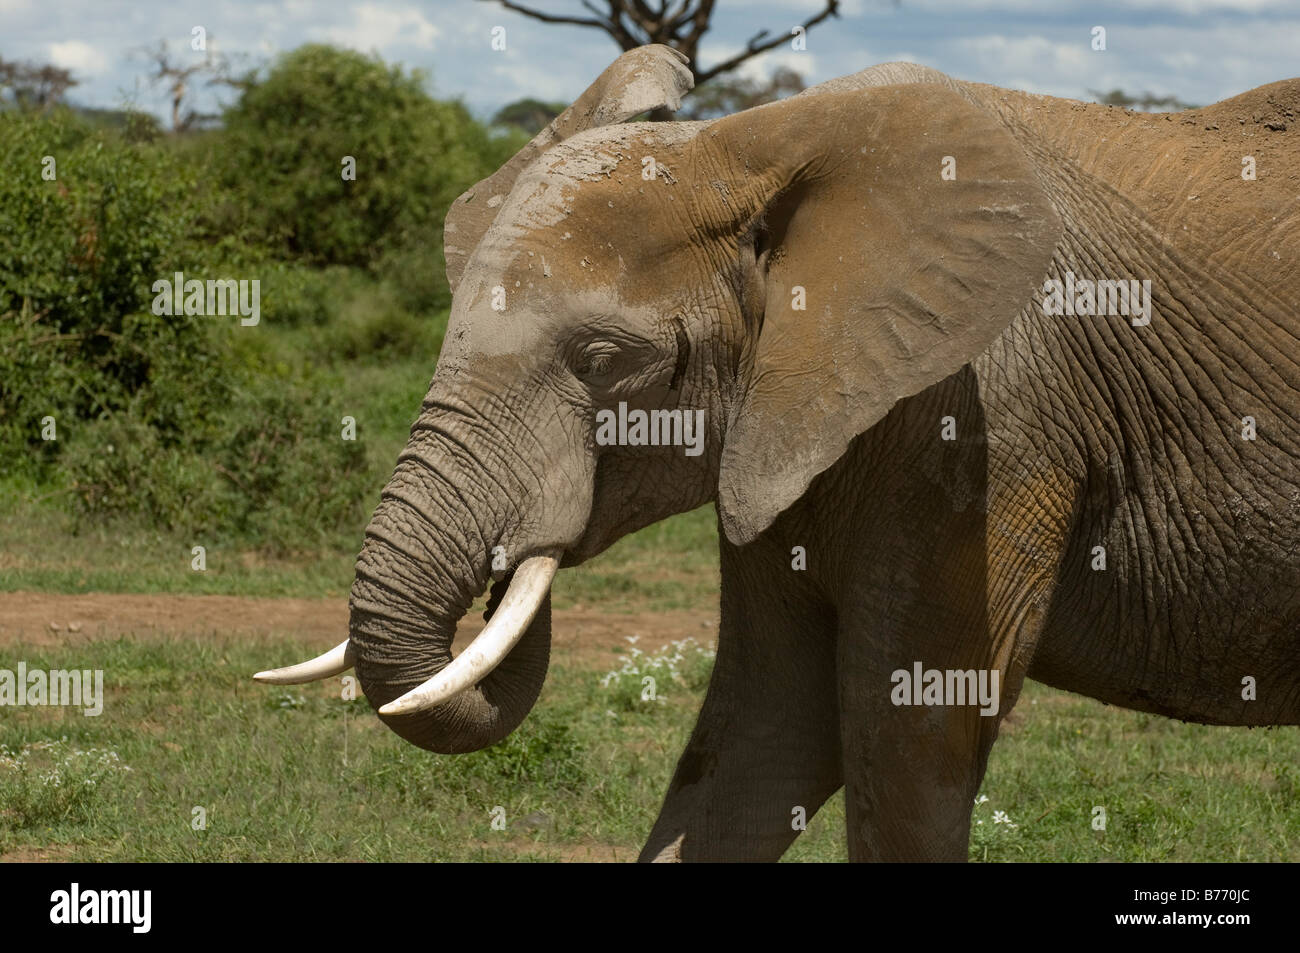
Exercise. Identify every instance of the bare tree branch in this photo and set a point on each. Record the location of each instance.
(548, 17)
(754, 48)
(176, 80)
(680, 24)
(614, 26)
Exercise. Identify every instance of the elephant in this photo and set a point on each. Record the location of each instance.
(1014, 378)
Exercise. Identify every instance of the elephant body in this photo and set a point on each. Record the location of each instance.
(855, 287)
(1066, 440)
(1140, 438)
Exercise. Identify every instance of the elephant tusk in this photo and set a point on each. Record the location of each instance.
(334, 662)
(527, 591)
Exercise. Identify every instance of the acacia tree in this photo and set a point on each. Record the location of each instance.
(679, 24)
(33, 85)
(531, 115)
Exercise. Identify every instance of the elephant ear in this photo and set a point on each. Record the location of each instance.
(648, 77)
(911, 228)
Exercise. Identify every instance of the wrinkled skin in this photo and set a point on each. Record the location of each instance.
(823, 427)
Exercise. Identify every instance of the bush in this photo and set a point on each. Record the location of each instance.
(78, 255)
(294, 295)
(266, 462)
(417, 276)
(193, 423)
(371, 323)
(284, 142)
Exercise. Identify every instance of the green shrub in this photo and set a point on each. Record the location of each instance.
(417, 276)
(120, 466)
(291, 477)
(194, 424)
(265, 462)
(371, 323)
(285, 139)
(295, 295)
(78, 255)
(83, 249)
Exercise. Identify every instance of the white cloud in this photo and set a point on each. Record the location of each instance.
(546, 82)
(378, 27)
(1153, 45)
(761, 67)
(1033, 55)
(1202, 7)
(78, 57)
(1183, 61)
(1157, 58)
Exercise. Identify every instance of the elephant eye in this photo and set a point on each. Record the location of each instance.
(597, 361)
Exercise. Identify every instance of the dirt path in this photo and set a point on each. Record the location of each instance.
(580, 636)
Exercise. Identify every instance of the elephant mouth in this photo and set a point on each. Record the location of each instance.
(528, 588)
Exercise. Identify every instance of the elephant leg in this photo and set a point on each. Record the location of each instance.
(912, 770)
(766, 747)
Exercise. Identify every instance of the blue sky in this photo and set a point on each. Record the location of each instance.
(1199, 50)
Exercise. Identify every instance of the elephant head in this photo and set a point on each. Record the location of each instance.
(781, 277)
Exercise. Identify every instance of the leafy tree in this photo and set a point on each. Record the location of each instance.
(32, 85)
(286, 145)
(78, 253)
(530, 115)
(175, 420)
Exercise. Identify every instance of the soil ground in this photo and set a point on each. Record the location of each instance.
(586, 637)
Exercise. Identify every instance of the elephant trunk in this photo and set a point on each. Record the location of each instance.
(424, 561)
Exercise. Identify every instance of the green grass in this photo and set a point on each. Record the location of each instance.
(300, 774)
(671, 565)
(1171, 791)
